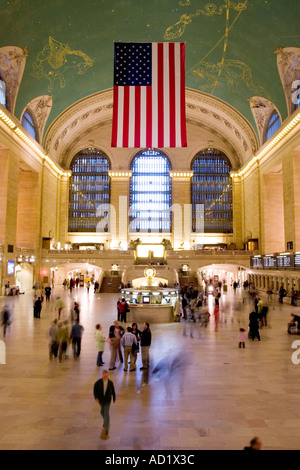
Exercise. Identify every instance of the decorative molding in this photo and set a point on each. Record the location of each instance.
(228, 147)
(204, 110)
(226, 119)
(288, 63)
(262, 110)
(12, 63)
(81, 114)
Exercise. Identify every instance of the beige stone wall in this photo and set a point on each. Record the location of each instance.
(9, 177)
(296, 164)
(63, 209)
(12, 198)
(251, 206)
(49, 203)
(273, 214)
(27, 213)
(288, 198)
(119, 200)
(181, 213)
(4, 160)
(237, 199)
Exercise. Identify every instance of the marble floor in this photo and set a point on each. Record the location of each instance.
(219, 397)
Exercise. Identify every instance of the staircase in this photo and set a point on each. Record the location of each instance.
(110, 284)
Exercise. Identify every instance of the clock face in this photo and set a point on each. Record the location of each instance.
(149, 272)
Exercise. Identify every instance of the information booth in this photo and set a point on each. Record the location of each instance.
(151, 303)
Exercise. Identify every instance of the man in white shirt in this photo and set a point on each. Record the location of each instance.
(127, 341)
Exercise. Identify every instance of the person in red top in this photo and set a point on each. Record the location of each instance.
(123, 309)
(216, 315)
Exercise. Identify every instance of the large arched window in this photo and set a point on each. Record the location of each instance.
(150, 192)
(29, 125)
(5, 99)
(89, 192)
(296, 95)
(211, 193)
(273, 125)
(2, 93)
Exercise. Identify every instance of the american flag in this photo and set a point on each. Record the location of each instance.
(149, 95)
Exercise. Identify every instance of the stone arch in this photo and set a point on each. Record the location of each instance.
(220, 120)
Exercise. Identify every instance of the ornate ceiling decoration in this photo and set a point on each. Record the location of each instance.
(203, 110)
(12, 63)
(262, 109)
(229, 47)
(288, 62)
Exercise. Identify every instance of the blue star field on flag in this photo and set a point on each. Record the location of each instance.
(133, 64)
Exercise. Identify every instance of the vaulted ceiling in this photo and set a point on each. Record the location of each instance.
(230, 46)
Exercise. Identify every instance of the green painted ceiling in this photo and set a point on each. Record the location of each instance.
(229, 45)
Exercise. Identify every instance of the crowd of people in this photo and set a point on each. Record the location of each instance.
(65, 332)
(193, 307)
(125, 343)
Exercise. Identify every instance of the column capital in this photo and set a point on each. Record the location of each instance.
(236, 177)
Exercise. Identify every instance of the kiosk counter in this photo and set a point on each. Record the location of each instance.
(152, 304)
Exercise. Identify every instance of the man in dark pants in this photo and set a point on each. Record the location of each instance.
(76, 335)
(145, 345)
(104, 391)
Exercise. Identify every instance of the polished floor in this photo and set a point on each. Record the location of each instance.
(218, 397)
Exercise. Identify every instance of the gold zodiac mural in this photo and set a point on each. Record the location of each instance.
(233, 73)
(55, 59)
(210, 9)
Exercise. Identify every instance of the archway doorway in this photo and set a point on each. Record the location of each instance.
(227, 274)
(24, 277)
(81, 271)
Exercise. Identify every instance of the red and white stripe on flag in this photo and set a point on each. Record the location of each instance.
(153, 115)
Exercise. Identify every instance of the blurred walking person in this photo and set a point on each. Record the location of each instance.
(47, 292)
(217, 316)
(37, 307)
(5, 319)
(104, 392)
(58, 306)
(63, 338)
(254, 326)
(53, 344)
